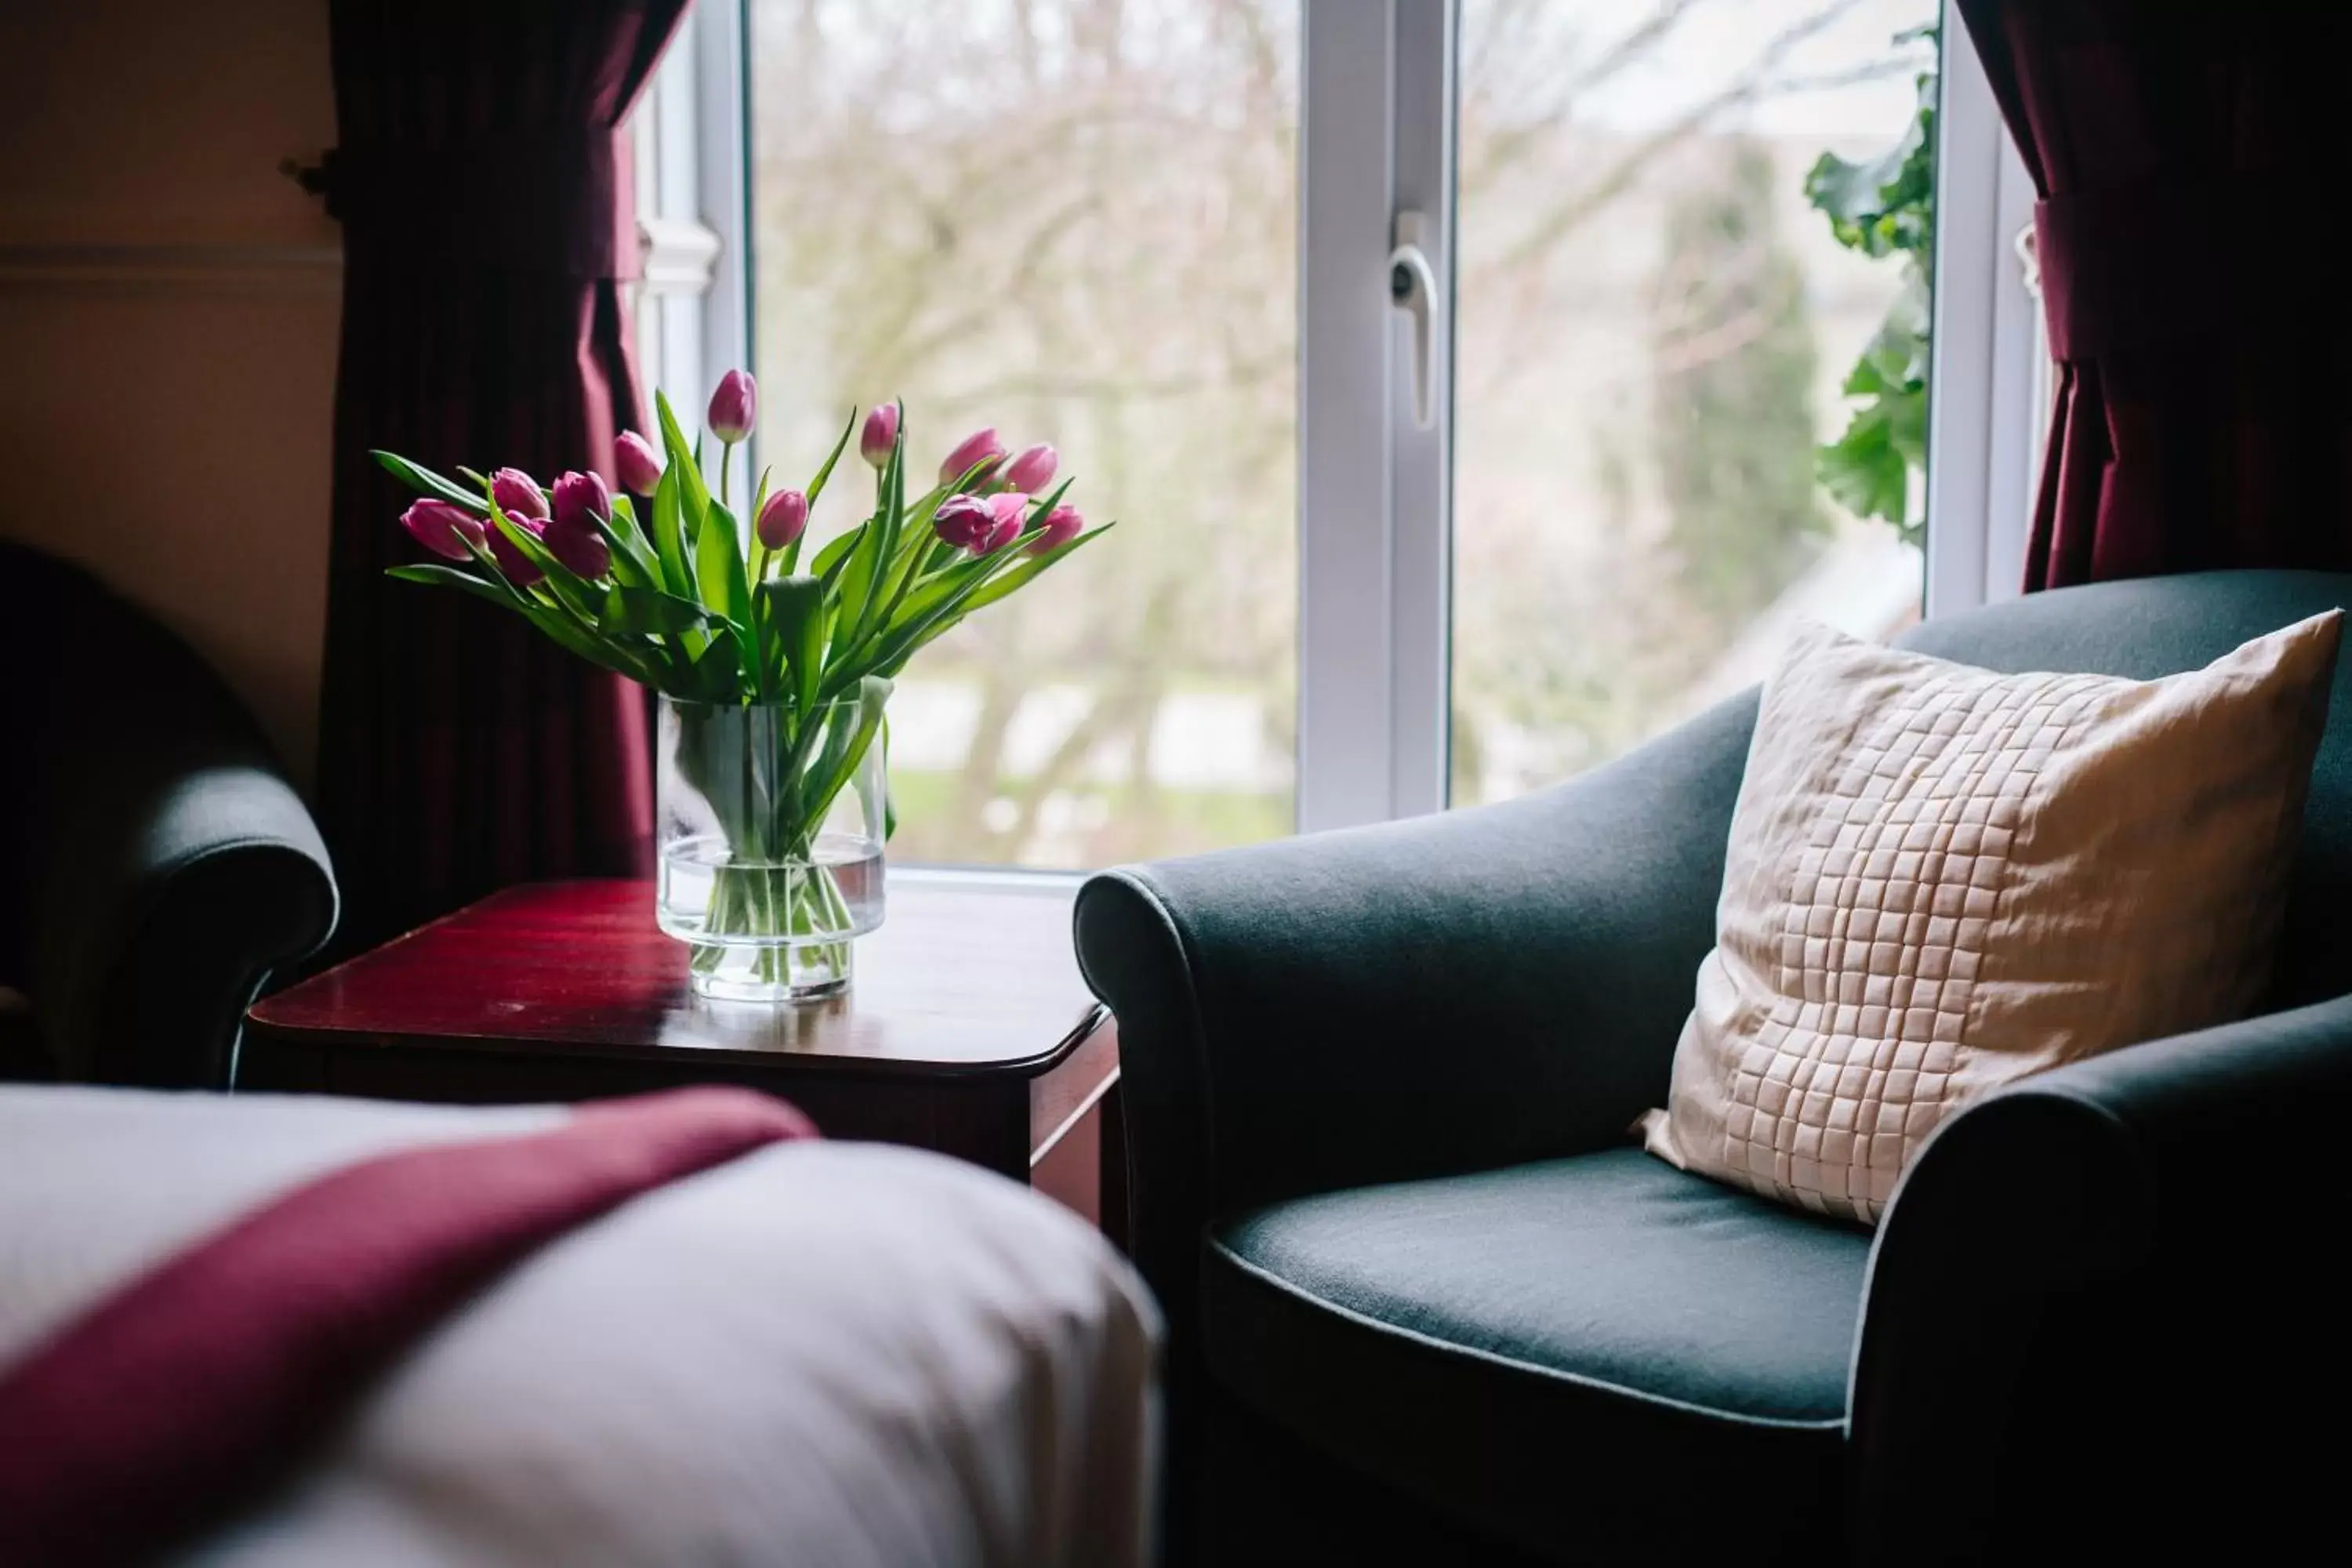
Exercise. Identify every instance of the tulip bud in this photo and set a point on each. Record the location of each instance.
(880, 434)
(517, 568)
(1063, 524)
(967, 522)
(1031, 468)
(580, 499)
(582, 551)
(784, 517)
(1008, 514)
(635, 463)
(518, 494)
(444, 528)
(733, 407)
(980, 446)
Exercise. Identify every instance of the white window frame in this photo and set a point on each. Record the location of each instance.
(1375, 488)
(1375, 545)
(1989, 388)
(694, 300)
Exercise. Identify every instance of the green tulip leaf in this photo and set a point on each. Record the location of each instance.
(716, 672)
(795, 620)
(1027, 570)
(453, 577)
(649, 611)
(669, 541)
(633, 565)
(937, 590)
(718, 566)
(623, 522)
(827, 564)
(838, 763)
(693, 495)
(879, 552)
(557, 625)
(418, 478)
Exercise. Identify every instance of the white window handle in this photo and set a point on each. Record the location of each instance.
(1412, 289)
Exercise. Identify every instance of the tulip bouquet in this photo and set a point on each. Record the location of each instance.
(773, 671)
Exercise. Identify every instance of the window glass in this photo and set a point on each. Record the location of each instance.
(1075, 220)
(1658, 329)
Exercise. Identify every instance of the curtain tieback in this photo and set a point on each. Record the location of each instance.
(563, 204)
(2150, 265)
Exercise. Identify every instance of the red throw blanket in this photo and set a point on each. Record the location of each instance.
(180, 1399)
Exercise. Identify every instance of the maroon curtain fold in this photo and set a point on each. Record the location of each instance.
(485, 193)
(2186, 156)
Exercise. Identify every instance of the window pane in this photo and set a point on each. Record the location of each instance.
(1074, 220)
(1654, 327)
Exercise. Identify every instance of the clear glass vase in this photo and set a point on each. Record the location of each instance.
(769, 830)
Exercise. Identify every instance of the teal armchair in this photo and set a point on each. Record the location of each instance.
(156, 866)
(1428, 1302)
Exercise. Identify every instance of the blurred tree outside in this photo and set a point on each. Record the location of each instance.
(1731, 401)
(1078, 220)
(1610, 576)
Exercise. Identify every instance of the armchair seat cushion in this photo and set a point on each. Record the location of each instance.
(1588, 1355)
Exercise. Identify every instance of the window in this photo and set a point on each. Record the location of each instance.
(1653, 331)
(1075, 222)
(1370, 566)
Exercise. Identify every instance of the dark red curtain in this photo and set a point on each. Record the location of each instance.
(2188, 157)
(487, 206)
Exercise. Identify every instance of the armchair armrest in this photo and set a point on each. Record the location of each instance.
(2109, 1287)
(177, 868)
(1459, 991)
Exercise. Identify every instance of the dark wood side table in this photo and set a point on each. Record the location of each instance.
(967, 1030)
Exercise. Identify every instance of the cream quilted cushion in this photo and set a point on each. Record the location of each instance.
(1941, 878)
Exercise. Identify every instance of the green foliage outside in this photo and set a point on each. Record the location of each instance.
(1887, 208)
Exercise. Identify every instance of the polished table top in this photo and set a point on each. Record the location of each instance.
(963, 978)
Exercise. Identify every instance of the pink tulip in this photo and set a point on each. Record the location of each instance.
(580, 499)
(966, 522)
(1008, 513)
(980, 446)
(1063, 524)
(1031, 468)
(518, 494)
(637, 465)
(733, 407)
(444, 528)
(517, 568)
(783, 518)
(582, 551)
(880, 434)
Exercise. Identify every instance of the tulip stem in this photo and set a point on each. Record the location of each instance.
(799, 898)
(776, 918)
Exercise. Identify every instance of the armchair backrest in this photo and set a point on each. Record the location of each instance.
(155, 865)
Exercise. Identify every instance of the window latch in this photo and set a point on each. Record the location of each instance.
(1412, 289)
